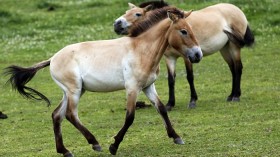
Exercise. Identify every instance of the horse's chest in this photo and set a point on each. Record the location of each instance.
(137, 71)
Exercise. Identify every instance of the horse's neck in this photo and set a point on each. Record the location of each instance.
(153, 43)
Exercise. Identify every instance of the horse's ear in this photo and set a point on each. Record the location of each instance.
(131, 5)
(187, 13)
(172, 16)
(148, 7)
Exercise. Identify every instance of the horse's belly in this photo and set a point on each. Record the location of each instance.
(103, 83)
(213, 44)
(102, 87)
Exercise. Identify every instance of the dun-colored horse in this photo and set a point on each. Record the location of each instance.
(221, 27)
(130, 63)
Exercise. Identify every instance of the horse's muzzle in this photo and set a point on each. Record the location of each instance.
(194, 59)
(118, 28)
(194, 54)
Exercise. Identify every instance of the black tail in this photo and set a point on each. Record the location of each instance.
(21, 76)
(247, 39)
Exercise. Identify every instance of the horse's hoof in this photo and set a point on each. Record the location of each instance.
(3, 116)
(168, 108)
(229, 98)
(97, 147)
(113, 149)
(68, 154)
(178, 140)
(141, 104)
(192, 105)
(235, 99)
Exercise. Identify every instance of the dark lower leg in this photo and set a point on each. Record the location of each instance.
(153, 97)
(236, 70)
(171, 84)
(233, 83)
(190, 79)
(72, 117)
(87, 134)
(119, 137)
(60, 148)
(237, 89)
(170, 131)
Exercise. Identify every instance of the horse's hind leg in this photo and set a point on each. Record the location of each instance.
(231, 54)
(151, 93)
(57, 117)
(72, 117)
(68, 108)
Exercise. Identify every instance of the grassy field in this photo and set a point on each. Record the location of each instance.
(30, 32)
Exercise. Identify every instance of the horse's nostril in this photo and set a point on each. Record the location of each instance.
(195, 59)
(190, 58)
(197, 56)
(117, 23)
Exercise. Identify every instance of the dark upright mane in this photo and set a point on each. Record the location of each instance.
(153, 18)
(155, 4)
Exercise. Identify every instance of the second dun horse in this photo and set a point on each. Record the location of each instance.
(130, 63)
(221, 27)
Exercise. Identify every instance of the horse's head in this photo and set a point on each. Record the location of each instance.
(134, 14)
(181, 38)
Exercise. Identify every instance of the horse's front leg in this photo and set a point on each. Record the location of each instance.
(151, 93)
(171, 66)
(130, 112)
(73, 118)
(190, 78)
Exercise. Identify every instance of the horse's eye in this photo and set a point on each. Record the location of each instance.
(138, 14)
(184, 32)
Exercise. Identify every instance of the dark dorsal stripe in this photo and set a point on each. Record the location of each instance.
(155, 4)
(153, 18)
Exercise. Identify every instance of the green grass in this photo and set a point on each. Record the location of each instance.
(29, 33)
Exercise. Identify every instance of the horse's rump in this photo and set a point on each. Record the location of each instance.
(239, 39)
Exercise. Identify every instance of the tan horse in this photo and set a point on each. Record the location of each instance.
(130, 63)
(221, 27)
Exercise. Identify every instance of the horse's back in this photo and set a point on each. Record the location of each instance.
(232, 14)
